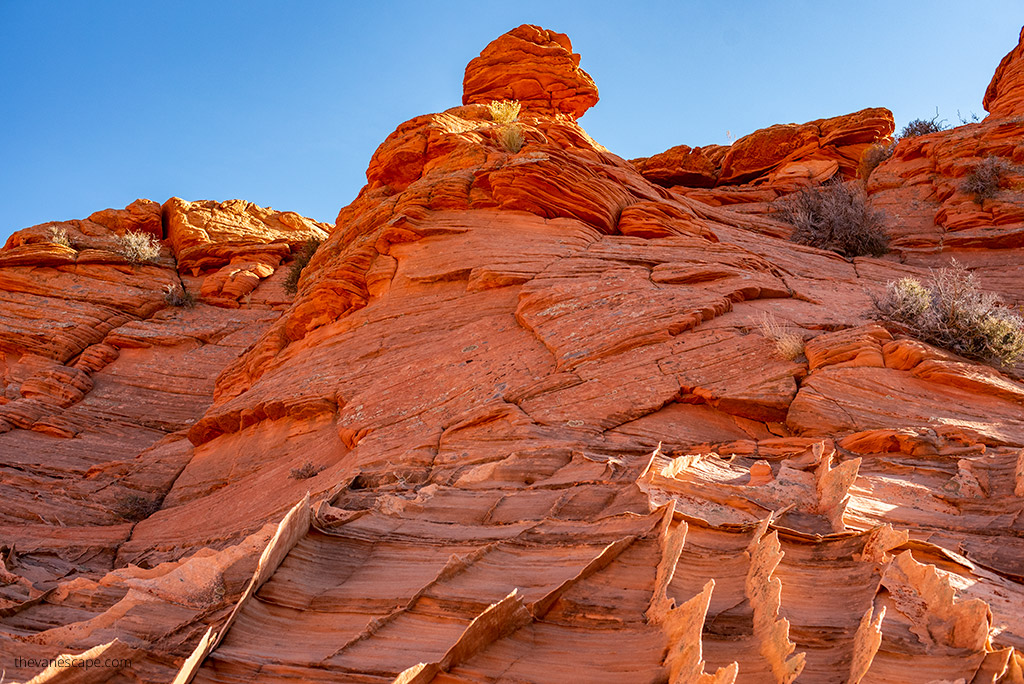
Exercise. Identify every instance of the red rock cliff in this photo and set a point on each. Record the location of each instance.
(523, 422)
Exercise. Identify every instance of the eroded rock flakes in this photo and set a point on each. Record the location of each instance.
(522, 418)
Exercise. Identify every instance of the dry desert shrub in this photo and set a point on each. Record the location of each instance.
(954, 314)
(306, 252)
(788, 345)
(504, 111)
(138, 247)
(177, 295)
(923, 127)
(872, 157)
(305, 471)
(135, 507)
(511, 137)
(986, 178)
(964, 120)
(836, 216)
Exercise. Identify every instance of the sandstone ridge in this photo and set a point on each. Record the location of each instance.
(520, 421)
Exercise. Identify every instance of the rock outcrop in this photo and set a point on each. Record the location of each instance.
(1004, 97)
(776, 160)
(535, 67)
(521, 422)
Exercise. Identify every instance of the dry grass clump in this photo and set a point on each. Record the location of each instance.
(836, 216)
(137, 247)
(306, 252)
(788, 345)
(511, 137)
(59, 236)
(504, 111)
(177, 295)
(305, 471)
(986, 178)
(872, 157)
(954, 314)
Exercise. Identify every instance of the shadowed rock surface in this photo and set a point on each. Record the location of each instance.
(542, 433)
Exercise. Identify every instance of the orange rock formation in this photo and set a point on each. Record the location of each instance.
(520, 422)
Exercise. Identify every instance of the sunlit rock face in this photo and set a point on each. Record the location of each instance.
(535, 67)
(1004, 97)
(544, 432)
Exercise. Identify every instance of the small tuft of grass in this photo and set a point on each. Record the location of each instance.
(872, 157)
(305, 253)
(59, 236)
(986, 178)
(836, 216)
(305, 471)
(138, 247)
(504, 111)
(177, 295)
(954, 314)
(510, 136)
(788, 345)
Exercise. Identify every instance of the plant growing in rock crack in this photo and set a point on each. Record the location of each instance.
(510, 136)
(305, 253)
(177, 295)
(503, 111)
(59, 236)
(954, 314)
(987, 177)
(305, 471)
(138, 247)
(836, 216)
(788, 345)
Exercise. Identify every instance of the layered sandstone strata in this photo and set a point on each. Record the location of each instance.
(520, 423)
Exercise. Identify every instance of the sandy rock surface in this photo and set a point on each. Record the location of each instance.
(521, 421)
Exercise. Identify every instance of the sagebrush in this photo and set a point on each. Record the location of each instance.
(986, 179)
(836, 216)
(504, 111)
(305, 253)
(138, 247)
(953, 313)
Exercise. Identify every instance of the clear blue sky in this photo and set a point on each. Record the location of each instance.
(283, 103)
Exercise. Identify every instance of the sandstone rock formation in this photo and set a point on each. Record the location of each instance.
(767, 164)
(534, 66)
(520, 422)
(1004, 97)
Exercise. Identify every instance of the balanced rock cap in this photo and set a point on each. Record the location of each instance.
(535, 66)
